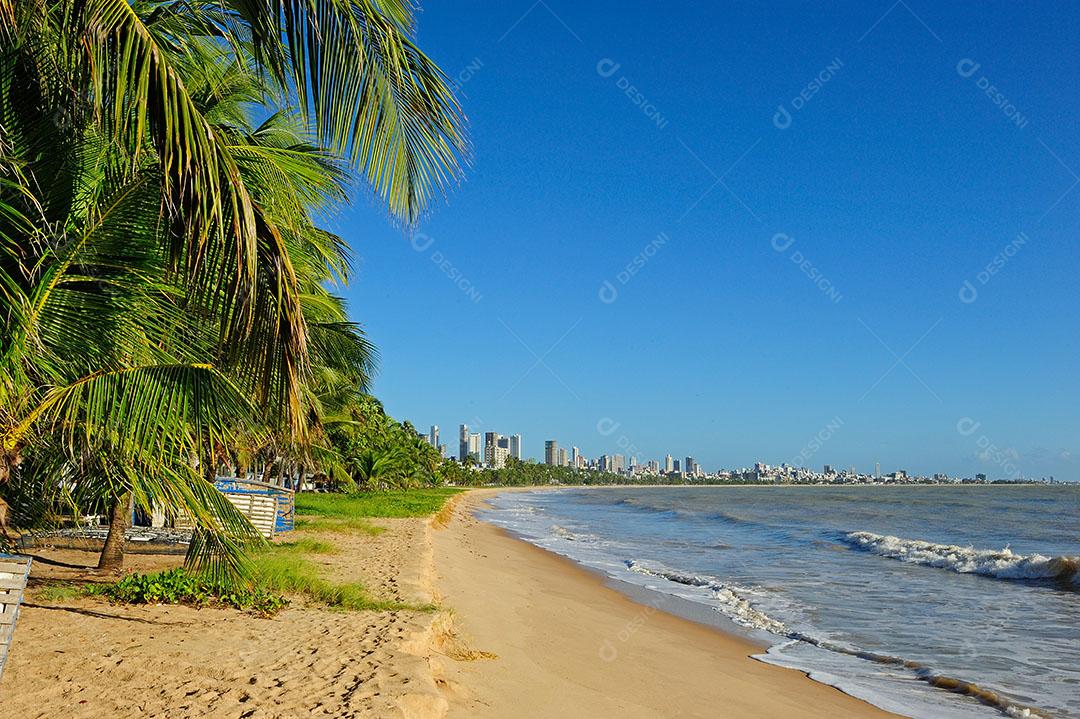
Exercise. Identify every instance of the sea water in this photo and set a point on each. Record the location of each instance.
(929, 601)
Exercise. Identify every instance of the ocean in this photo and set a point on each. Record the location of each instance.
(928, 601)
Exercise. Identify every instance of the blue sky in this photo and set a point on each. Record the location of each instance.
(809, 287)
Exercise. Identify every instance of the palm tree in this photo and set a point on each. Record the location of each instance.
(160, 273)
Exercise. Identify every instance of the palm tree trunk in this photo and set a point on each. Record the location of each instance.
(112, 554)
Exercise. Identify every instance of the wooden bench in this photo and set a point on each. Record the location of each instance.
(14, 571)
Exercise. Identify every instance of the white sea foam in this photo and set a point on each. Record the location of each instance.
(564, 533)
(732, 603)
(1001, 564)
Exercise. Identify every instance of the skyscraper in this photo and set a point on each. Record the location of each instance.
(676, 463)
(574, 454)
(551, 452)
(690, 467)
(463, 442)
(433, 436)
(515, 446)
(563, 461)
(476, 449)
(669, 463)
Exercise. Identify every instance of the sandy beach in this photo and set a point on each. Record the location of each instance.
(519, 633)
(568, 645)
(88, 658)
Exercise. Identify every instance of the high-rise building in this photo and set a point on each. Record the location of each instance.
(515, 446)
(433, 435)
(491, 443)
(690, 467)
(551, 452)
(476, 449)
(495, 456)
(463, 442)
(563, 460)
(504, 442)
(828, 469)
(618, 463)
(574, 454)
(877, 470)
(669, 463)
(676, 463)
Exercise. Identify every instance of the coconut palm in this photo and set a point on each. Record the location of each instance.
(161, 275)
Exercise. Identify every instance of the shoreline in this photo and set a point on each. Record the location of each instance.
(568, 643)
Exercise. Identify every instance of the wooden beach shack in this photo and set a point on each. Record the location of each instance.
(270, 508)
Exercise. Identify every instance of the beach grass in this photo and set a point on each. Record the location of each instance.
(287, 572)
(306, 545)
(339, 526)
(396, 503)
(61, 592)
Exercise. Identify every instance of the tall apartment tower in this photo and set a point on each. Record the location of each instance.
(463, 442)
(433, 436)
(551, 452)
(669, 463)
(476, 447)
(563, 461)
(515, 446)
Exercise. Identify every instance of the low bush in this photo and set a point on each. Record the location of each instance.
(176, 586)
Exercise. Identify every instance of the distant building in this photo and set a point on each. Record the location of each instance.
(618, 463)
(980, 477)
(677, 466)
(515, 446)
(669, 463)
(463, 442)
(828, 469)
(433, 435)
(551, 452)
(563, 460)
(575, 455)
(495, 456)
(476, 447)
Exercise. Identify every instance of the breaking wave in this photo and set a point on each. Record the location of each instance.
(737, 608)
(732, 603)
(999, 564)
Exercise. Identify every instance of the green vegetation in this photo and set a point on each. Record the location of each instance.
(517, 473)
(339, 526)
(176, 586)
(61, 592)
(281, 569)
(292, 574)
(306, 545)
(167, 170)
(411, 503)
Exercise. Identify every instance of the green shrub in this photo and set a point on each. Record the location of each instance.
(176, 586)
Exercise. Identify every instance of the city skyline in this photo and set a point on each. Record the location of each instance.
(491, 449)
